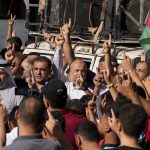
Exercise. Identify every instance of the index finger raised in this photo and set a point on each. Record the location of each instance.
(50, 115)
(69, 23)
(14, 17)
(110, 38)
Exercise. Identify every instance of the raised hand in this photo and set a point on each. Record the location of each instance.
(79, 81)
(49, 39)
(92, 104)
(3, 112)
(31, 80)
(125, 87)
(59, 40)
(106, 74)
(107, 45)
(9, 55)
(11, 20)
(127, 64)
(143, 56)
(146, 82)
(98, 79)
(52, 124)
(66, 29)
(47, 36)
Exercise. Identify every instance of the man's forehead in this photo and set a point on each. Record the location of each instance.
(40, 63)
(78, 63)
(141, 65)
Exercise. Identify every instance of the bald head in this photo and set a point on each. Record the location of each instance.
(142, 69)
(32, 112)
(78, 68)
(79, 62)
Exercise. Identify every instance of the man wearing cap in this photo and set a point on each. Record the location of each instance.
(7, 87)
(55, 98)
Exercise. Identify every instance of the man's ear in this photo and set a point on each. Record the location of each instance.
(17, 115)
(46, 102)
(119, 126)
(78, 140)
(50, 72)
(107, 129)
(10, 125)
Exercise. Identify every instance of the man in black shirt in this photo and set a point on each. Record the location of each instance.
(128, 123)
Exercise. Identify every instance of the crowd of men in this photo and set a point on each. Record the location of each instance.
(61, 104)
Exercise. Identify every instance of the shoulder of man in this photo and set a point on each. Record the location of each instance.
(54, 145)
(48, 145)
(126, 148)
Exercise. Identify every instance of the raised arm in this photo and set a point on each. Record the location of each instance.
(67, 49)
(97, 82)
(58, 58)
(90, 110)
(125, 87)
(110, 85)
(2, 126)
(54, 128)
(10, 26)
(107, 52)
(145, 104)
(128, 66)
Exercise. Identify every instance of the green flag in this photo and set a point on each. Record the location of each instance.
(145, 38)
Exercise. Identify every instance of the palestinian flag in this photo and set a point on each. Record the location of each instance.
(145, 38)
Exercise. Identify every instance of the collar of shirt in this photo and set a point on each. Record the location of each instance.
(29, 137)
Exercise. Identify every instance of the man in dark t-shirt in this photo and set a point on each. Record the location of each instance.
(55, 98)
(128, 123)
(31, 119)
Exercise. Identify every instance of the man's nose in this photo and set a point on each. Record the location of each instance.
(38, 71)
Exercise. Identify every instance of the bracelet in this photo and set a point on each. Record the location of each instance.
(131, 70)
(110, 85)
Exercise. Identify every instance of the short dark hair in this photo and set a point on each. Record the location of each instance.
(116, 105)
(44, 59)
(85, 99)
(11, 116)
(32, 112)
(2, 52)
(109, 101)
(57, 115)
(133, 118)
(17, 41)
(76, 107)
(88, 130)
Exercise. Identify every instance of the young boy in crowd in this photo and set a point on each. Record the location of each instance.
(128, 123)
(87, 136)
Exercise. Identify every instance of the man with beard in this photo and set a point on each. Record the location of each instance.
(7, 87)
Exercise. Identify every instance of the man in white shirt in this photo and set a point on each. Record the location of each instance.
(75, 80)
(13, 127)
